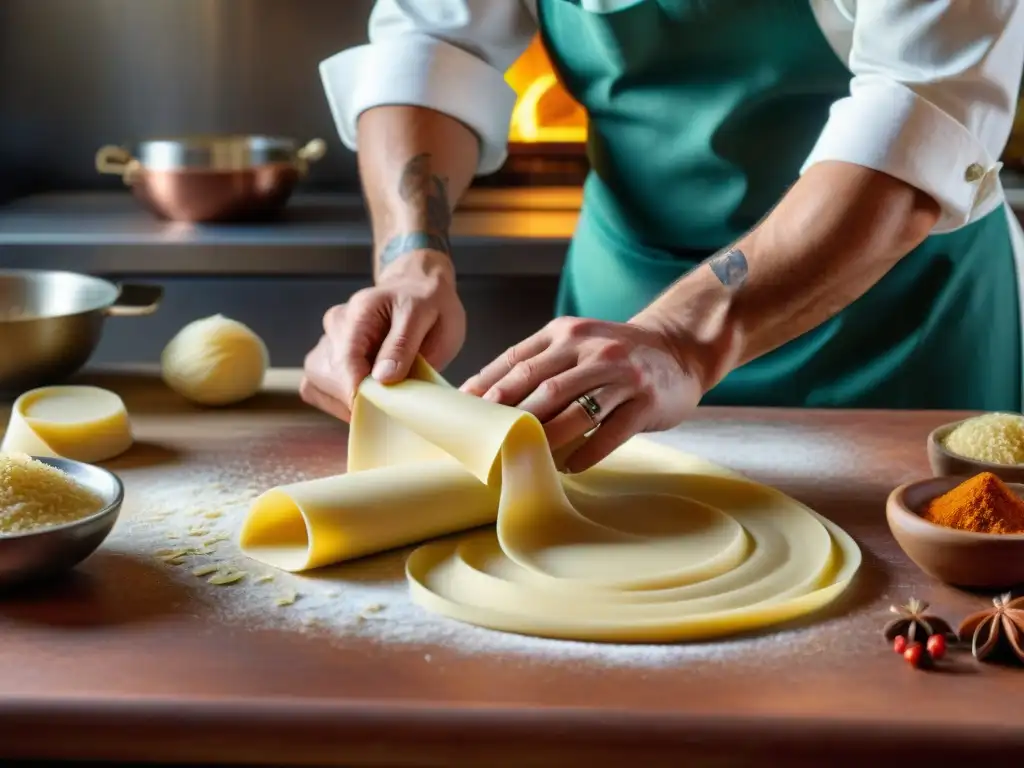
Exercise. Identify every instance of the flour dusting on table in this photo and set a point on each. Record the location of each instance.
(185, 519)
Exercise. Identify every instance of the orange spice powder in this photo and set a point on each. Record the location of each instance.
(982, 504)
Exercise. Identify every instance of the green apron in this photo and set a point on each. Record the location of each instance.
(701, 114)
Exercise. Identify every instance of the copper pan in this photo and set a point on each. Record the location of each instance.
(212, 178)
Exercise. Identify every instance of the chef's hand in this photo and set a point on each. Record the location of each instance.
(413, 309)
(637, 378)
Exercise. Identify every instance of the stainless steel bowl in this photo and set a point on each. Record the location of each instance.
(50, 322)
(212, 178)
(38, 555)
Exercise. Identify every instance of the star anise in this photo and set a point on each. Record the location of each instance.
(915, 623)
(998, 629)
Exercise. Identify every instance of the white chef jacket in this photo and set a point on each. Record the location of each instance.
(933, 91)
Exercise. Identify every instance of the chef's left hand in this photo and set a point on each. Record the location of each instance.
(631, 370)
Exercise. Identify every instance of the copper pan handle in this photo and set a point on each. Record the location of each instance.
(310, 153)
(118, 161)
(136, 300)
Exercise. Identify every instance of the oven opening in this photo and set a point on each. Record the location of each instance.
(548, 131)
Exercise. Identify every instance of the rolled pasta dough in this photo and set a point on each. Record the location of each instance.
(651, 545)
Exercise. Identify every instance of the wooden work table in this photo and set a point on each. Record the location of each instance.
(116, 664)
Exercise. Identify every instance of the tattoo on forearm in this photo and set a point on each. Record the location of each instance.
(729, 267)
(413, 241)
(422, 188)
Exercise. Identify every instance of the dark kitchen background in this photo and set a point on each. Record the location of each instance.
(79, 74)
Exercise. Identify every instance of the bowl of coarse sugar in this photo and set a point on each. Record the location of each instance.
(965, 530)
(990, 442)
(54, 513)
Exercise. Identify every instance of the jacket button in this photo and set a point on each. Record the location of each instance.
(975, 172)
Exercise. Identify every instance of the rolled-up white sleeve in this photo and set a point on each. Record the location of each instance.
(932, 99)
(448, 55)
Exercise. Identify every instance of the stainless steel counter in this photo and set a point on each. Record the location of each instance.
(495, 233)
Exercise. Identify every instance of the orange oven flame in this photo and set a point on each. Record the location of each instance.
(544, 112)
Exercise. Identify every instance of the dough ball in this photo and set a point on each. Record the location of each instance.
(215, 361)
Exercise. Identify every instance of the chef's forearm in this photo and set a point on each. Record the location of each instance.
(415, 164)
(838, 230)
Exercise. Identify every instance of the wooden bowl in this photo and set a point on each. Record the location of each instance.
(960, 558)
(944, 462)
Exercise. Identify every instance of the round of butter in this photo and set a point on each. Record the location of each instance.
(73, 422)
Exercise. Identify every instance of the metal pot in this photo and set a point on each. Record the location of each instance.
(50, 322)
(212, 178)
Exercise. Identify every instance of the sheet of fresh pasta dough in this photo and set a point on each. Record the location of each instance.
(652, 545)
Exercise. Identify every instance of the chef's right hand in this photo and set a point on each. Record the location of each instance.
(413, 309)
